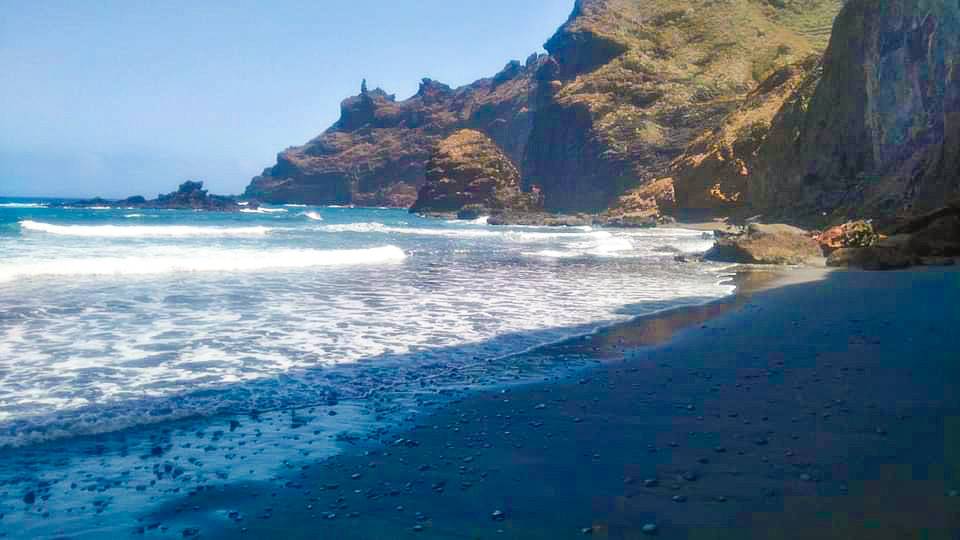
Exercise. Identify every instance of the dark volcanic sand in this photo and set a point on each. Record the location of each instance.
(818, 410)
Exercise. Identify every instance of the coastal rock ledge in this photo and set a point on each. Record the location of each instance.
(767, 244)
(468, 173)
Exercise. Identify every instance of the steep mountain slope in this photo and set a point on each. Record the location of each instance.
(876, 131)
(377, 152)
(627, 86)
(631, 83)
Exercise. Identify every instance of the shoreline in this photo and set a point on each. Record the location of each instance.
(527, 463)
(412, 464)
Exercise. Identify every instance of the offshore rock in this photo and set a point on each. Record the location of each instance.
(190, 196)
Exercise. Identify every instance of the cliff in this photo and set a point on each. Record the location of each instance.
(874, 131)
(631, 84)
(467, 169)
(376, 153)
(627, 86)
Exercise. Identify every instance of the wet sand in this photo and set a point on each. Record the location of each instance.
(826, 409)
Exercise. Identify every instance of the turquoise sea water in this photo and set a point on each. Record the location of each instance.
(123, 310)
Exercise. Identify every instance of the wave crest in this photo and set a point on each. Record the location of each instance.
(124, 231)
(174, 260)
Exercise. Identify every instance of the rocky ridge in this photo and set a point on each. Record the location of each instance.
(377, 152)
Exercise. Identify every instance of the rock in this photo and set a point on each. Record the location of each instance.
(872, 258)
(937, 261)
(872, 131)
(650, 529)
(936, 235)
(539, 219)
(855, 234)
(471, 212)
(467, 169)
(376, 154)
(189, 196)
(766, 244)
(609, 120)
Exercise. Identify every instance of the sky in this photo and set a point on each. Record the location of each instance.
(131, 97)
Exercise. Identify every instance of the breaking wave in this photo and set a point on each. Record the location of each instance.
(173, 260)
(121, 231)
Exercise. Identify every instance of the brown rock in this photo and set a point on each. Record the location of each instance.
(376, 154)
(767, 244)
(873, 131)
(468, 170)
(872, 258)
(852, 234)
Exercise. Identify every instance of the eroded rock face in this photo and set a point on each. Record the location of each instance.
(631, 83)
(468, 170)
(767, 244)
(376, 154)
(872, 258)
(877, 132)
(932, 239)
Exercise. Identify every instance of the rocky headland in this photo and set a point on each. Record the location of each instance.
(812, 113)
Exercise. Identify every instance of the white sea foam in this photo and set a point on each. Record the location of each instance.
(315, 216)
(99, 208)
(133, 216)
(263, 210)
(23, 205)
(172, 260)
(137, 231)
(482, 220)
(506, 234)
(295, 205)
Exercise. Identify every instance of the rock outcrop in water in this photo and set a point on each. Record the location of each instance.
(468, 170)
(189, 196)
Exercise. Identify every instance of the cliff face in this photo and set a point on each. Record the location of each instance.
(628, 85)
(876, 131)
(376, 154)
(468, 169)
(631, 83)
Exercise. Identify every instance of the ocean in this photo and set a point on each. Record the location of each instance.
(122, 327)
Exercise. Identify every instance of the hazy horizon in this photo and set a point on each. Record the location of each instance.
(132, 98)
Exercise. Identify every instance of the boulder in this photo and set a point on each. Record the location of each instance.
(767, 244)
(849, 235)
(872, 258)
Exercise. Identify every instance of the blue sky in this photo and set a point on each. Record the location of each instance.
(123, 97)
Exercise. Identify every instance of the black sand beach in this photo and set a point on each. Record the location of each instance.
(816, 410)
